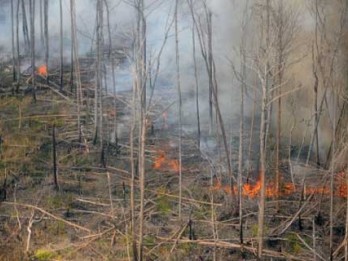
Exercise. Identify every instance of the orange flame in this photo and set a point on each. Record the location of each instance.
(163, 162)
(42, 70)
(253, 190)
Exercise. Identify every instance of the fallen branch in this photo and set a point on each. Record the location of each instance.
(228, 245)
(48, 214)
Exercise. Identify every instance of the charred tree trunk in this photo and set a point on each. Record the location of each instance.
(54, 152)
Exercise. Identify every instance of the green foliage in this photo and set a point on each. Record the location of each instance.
(59, 201)
(149, 240)
(294, 243)
(44, 255)
(254, 229)
(187, 247)
(163, 204)
(202, 213)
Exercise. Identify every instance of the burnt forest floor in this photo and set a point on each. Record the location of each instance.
(89, 217)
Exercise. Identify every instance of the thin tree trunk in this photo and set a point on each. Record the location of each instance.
(75, 60)
(112, 60)
(46, 37)
(54, 152)
(132, 198)
(263, 128)
(332, 177)
(25, 28)
(72, 4)
(32, 41)
(42, 39)
(61, 44)
(197, 87)
(279, 111)
(13, 43)
(241, 122)
(100, 58)
(262, 170)
(210, 69)
(141, 75)
(251, 134)
(18, 51)
(179, 103)
(346, 234)
(316, 84)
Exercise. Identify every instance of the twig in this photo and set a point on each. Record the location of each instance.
(178, 238)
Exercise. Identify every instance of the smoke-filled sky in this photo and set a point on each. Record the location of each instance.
(227, 16)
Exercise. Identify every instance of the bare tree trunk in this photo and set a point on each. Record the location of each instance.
(241, 121)
(32, 41)
(42, 39)
(141, 79)
(98, 76)
(280, 69)
(100, 64)
(263, 128)
(262, 170)
(13, 43)
(61, 44)
(72, 5)
(132, 185)
(346, 234)
(75, 55)
(54, 152)
(25, 28)
(332, 176)
(210, 69)
(251, 136)
(46, 37)
(316, 84)
(179, 103)
(18, 51)
(197, 87)
(112, 60)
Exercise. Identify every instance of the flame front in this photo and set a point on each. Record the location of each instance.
(42, 70)
(163, 162)
(253, 190)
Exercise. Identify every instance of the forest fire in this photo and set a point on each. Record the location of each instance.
(163, 162)
(253, 190)
(42, 70)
